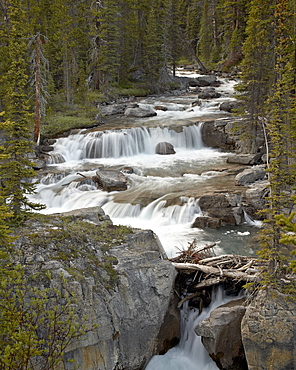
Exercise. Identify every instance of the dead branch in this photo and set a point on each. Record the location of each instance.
(231, 273)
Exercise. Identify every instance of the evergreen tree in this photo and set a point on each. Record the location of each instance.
(15, 167)
(280, 126)
(105, 52)
(258, 65)
(205, 34)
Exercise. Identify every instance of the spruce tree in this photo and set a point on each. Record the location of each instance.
(257, 65)
(15, 167)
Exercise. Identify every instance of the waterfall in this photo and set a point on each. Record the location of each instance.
(123, 143)
(249, 221)
(190, 353)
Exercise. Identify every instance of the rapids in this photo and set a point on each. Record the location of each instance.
(163, 190)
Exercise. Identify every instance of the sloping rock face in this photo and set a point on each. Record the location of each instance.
(221, 335)
(269, 332)
(121, 281)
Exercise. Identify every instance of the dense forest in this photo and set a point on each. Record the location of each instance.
(59, 56)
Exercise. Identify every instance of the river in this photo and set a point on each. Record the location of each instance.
(163, 189)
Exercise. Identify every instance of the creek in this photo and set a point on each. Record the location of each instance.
(163, 190)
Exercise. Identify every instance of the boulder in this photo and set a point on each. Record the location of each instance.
(112, 109)
(215, 135)
(111, 180)
(229, 106)
(164, 148)
(221, 335)
(209, 93)
(225, 207)
(207, 80)
(248, 159)
(140, 112)
(202, 222)
(255, 196)
(268, 332)
(122, 285)
(250, 175)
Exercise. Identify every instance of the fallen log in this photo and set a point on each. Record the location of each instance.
(211, 270)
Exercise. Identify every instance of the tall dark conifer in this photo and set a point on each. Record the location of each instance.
(17, 121)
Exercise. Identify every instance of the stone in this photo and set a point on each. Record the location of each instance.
(250, 175)
(214, 135)
(248, 159)
(225, 207)
(122, 320)
(221, 335)
(229, 106)
(112, 109)
(164, 148)
(207, 80)
(140, 112)
(202, 222)
(269, 332)
(209, 93)
(111, 180)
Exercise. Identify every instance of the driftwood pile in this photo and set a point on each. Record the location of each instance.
(212, 270)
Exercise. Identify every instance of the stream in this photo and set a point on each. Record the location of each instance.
(163, 190)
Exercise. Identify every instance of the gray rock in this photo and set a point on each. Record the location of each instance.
(229, 106)
(248, 159)
(209, 93)
(111, 180)
(140, 112)
(221, 335)
(202, 222)
(250, 175)
(215, 135)
(113, 109)
(207, 80)
(124, 306)
(268, 332)
(225, 207)
(164, 148)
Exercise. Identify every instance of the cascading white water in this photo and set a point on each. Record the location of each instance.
(190, 353)
(123, 143)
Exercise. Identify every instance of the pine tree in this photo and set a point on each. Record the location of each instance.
(15, 168)
(205, 34)
(280, 125)
(257, 66)
(105, 48)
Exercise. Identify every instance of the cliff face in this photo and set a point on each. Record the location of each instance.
(120, 278)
